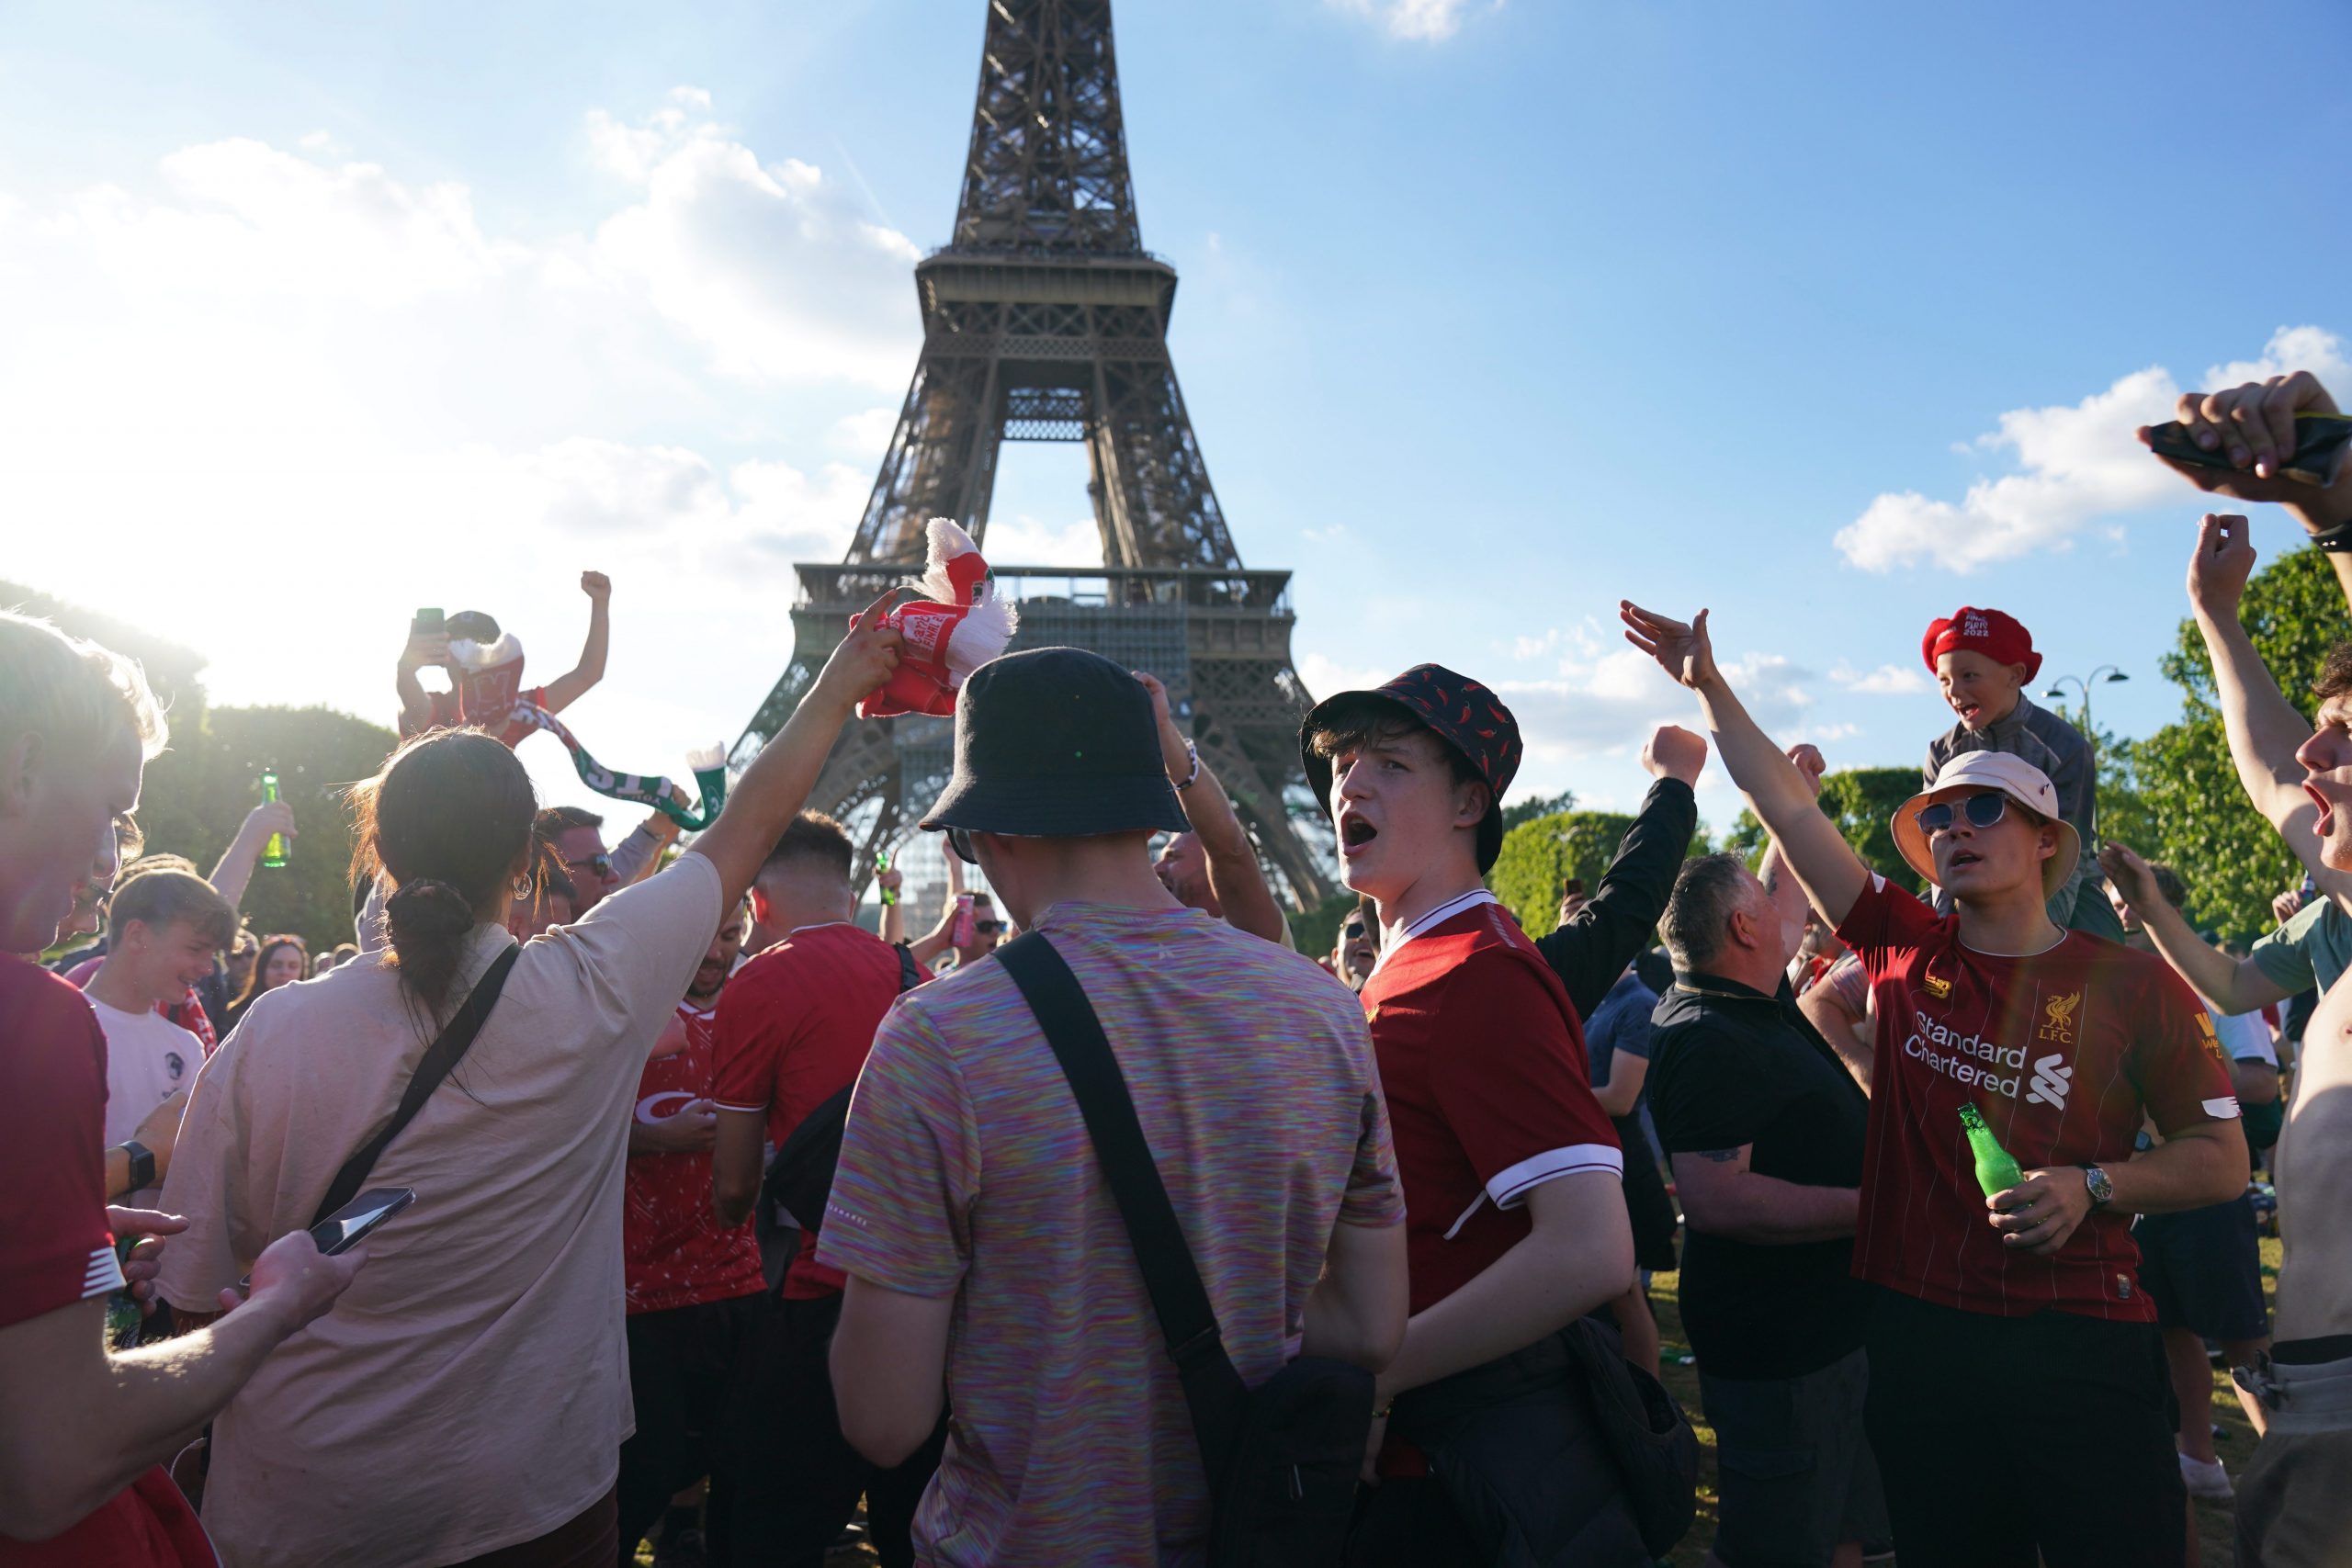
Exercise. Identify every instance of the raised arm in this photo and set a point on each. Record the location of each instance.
(1592, 947)
(568, 689)
(2254, 427)
(1833, 875)
(416, 704)
(2232, 985)
(773, 789)
(1235, 876)
(2264, 729)
(234, 871)
(890, 879)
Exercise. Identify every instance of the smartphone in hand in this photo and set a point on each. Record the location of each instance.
(344, 1229)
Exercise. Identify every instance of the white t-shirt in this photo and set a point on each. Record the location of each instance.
(2244, 1036)
(149, 1059)
(470, 1389)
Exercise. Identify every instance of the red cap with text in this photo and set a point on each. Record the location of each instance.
(1999, 637)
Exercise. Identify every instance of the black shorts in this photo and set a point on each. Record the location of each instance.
(1796, 1477)
(2204, 1269)
(1999, 1435)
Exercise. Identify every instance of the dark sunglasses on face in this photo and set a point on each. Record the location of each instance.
(961, 842)
(601, 864)
(988, 928)
(1983, 810)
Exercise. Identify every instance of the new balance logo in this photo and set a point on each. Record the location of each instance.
(2052, 1080)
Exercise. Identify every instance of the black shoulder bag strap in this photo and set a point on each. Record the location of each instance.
(1214, 1391)
(444, 1054)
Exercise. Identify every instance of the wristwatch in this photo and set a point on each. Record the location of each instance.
(142, 1163)
(2102, 1189)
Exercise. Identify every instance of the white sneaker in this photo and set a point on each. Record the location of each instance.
(2205, 1478)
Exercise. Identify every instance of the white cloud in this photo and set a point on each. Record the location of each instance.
(1419, 21)
(2077, 463)
(1326, 676)
(1886, 681)
(268, 400)
(1024, 540)
(864, 436)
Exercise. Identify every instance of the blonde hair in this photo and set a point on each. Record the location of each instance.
(71, 691)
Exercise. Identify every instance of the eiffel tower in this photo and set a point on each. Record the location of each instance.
(1046, 319)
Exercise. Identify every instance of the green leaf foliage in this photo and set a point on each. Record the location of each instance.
(1539, 856)
(1861, 801)
(1316, 931)
(1528, 810)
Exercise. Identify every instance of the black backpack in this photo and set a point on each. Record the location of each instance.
(1282, 1458)
(800, 1179)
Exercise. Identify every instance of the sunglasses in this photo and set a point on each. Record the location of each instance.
(1983, 811)
(961, 842)
(601, 864)
(988, 928)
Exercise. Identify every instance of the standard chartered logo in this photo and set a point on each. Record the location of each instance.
(2052, 1080)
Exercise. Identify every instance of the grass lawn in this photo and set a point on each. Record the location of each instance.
(2215, 1521)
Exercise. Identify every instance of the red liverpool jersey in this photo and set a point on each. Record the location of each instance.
(675, 1252)
(2063, 1053)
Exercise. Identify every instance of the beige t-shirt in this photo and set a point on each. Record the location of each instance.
(470, 1389)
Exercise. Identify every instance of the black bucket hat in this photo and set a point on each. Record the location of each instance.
(1056, 743)
(1465, 715)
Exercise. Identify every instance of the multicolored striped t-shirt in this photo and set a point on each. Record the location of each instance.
(966, 1170)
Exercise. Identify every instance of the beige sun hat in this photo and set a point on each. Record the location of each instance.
(2012, 776)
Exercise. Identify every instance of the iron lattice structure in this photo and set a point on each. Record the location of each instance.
(1046, 319)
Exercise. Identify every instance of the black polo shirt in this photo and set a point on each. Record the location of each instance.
(1731, 1065)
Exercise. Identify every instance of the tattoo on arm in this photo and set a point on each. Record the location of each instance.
(1721, 1157)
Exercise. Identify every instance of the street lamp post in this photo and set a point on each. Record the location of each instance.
(2106, 674)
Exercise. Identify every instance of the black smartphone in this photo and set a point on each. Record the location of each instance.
(2321, 443)
(427, 621)
(344, 1229)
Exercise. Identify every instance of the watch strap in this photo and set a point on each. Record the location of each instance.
(142, 1163)
(2093, 1177)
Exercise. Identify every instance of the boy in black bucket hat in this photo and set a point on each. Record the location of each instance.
(968, 1195)
(1515, 1224)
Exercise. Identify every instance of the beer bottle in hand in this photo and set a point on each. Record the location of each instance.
(1997, 1169)
(273, 854)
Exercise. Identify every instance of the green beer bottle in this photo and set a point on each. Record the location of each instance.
(1997, 1169)
(273, 854)
(882, 862)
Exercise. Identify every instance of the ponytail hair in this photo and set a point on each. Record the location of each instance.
(448, 820)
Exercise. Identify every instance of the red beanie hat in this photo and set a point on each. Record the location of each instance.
(1999, 637)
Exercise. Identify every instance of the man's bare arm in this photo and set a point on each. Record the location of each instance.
(1235, 879)
(1723, 1197)
(2232, 985)
(737, 1140)
(573, 685)
(1628, 1073)
(1832, 873)
(889, 1367)
(1357, 1312)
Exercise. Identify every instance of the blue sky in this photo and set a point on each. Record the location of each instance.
(1831, 317)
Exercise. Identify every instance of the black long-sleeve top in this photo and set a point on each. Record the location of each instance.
(1593, 947)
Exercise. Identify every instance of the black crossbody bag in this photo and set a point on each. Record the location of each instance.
(1282, 1458)
(448, 1048)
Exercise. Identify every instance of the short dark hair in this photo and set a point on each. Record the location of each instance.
(815, 838)
(555, 819)
(1355, 725)
(158, 898)
(1707, 891)
(2335, 673)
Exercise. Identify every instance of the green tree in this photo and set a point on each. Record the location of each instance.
(2189, 811)
(1536, 806)
(197, 793)
(1861, 801)
(1539, 856)
(1316, 931)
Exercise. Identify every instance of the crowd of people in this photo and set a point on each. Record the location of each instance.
(1096, 1224)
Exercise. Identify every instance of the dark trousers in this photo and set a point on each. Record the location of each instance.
(685, 1366)
(1998, 1436)
(810, 1478)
